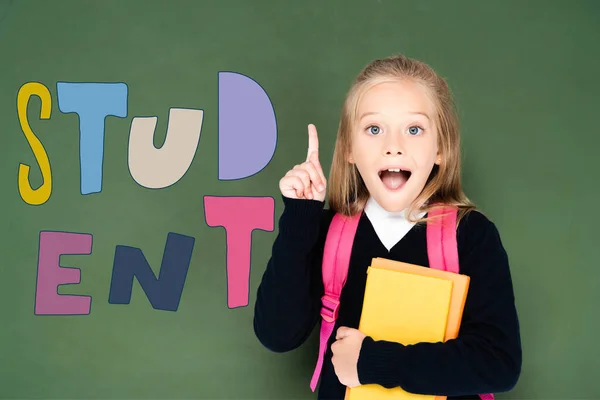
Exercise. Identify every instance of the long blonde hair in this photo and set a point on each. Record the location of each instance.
(348, 193)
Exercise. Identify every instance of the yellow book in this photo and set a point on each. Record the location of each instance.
(408, 304)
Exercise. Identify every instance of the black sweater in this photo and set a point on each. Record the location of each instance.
(486, 356)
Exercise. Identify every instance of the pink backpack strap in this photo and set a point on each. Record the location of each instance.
(336, 259)
(442, 249)
(442, 246)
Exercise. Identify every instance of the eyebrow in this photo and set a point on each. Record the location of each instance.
(413, 113)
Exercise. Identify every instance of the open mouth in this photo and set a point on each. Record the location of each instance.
(394, 178)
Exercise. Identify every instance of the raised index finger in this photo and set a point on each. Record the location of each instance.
(313, 141)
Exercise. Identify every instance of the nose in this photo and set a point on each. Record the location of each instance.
(393, 145)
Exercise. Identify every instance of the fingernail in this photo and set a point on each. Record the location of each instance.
(321, 188)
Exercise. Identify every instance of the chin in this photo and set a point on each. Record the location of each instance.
(393, 205)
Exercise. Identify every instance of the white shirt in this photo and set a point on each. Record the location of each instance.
(390, 227)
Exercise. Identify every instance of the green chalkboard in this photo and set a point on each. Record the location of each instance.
(525, 76)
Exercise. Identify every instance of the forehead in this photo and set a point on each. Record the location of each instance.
(395, 98)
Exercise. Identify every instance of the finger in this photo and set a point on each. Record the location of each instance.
(313, 150)
(342, 332)
(315, 176)
(320, 171)
(295, 183)
(315, 190)
(314, 159)
(313, 142)
(296, 179)
(302, 190)
(301, 173)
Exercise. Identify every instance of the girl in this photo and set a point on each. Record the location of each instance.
(397, 150)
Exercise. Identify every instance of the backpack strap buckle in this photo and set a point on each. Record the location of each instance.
(329, 308)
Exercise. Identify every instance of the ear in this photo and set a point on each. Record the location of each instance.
(349, 158)
(438, 159)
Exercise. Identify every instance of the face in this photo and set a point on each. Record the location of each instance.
(394, 142)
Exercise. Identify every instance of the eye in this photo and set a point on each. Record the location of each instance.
(414, 130)
(374, 130)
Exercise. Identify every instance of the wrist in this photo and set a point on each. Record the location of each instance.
(300, 218)
(364, 366)
(377, 362)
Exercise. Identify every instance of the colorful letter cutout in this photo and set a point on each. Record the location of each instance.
(158, 168)
(92, 102)
(163, 292)
(51, 274)
(239, 216)
(247, 127)
(28, 194)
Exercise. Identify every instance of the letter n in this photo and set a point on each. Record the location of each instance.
(164, 292)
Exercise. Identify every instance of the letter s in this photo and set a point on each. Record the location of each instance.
(28, 194)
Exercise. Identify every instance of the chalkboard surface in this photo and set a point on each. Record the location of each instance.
(164, 264)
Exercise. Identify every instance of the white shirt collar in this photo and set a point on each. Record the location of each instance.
(390, 227)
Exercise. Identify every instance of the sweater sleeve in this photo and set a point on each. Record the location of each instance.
(486, 355)
(288, 298)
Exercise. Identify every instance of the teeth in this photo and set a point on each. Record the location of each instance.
(390, 170)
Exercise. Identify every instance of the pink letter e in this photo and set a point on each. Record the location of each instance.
(51, 274)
